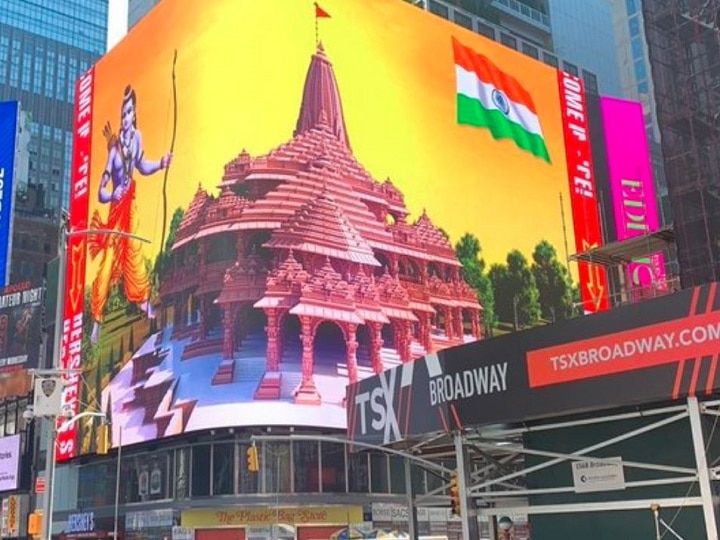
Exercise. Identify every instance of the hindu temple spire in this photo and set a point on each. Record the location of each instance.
(321, 99)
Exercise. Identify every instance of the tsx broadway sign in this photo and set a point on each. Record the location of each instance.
(659, 350)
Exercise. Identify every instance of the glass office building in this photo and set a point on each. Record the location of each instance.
(44, 47)
(583, 35)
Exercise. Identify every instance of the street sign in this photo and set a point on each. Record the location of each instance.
(40, 485)
(590, 475)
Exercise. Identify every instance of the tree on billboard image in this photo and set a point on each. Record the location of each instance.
(295, 251)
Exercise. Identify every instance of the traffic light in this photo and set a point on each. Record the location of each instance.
(35, 524)
(253, 463)
(455, 495)
(103, 439)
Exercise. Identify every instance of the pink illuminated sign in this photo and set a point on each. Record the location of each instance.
(632, 187)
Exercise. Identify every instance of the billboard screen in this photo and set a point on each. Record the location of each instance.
(9, 114)
(21, 307)
(643, 353)
(632, 188)
(307, 210)
(9, 462)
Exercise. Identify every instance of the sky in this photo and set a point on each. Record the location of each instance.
(117, 21)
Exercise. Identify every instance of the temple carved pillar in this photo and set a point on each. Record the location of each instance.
(449, 322)
(401, 332)
(307, 392)
(228, 324)
(241, 332)
(459, 329)
(204, 309)
(376, 343)
(477, 323)
(352, 345)
(425, 335)
(273, 340)
(394, 265)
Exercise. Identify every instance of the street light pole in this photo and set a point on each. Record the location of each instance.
(51, 423)
(51, 429)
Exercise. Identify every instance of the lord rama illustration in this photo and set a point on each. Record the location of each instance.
(121, 257)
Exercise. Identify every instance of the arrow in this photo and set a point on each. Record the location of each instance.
(76, 289)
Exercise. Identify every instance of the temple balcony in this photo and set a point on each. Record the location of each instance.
(179, 280)
(212, 276)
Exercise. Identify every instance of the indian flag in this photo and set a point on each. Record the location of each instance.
(488, 97)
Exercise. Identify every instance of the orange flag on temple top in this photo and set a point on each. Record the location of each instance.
(320, 13)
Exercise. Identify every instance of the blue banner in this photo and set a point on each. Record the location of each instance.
(8, 135)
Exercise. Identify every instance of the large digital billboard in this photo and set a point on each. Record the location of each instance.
(21, 307)
(9, 117)
(632, 189)
(311, 201)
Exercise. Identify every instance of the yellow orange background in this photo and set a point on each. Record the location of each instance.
(240, 73)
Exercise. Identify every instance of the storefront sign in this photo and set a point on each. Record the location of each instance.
(184, 533)
(81, 523)
(13, 519)
(150, 519)
(257, 516)
(590, 475)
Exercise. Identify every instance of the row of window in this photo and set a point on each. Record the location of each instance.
(221, 468)
(82, 25)
(39, 69)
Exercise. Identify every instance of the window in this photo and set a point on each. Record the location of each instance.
(551, 60)
(591, 82)
(634, 25)
(572, 69)
(463, 20)
(640, 70)
(439, 9)
(358, 473)
(223, 468)
(247, 481)
(200, 471)
(508, 40)
(182, 468)
(275, 462)
(631, 6)
(485, 30)
(333, 467)
(637, 48)
(643, 87)
(397, 475)
(379, 473)
(530, 50)
(305, 457)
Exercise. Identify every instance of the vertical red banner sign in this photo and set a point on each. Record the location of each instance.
(583, 194)
(72, 335)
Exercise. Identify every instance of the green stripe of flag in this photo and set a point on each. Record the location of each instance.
(471, 112)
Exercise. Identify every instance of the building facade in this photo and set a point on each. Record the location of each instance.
(583, 34)
(137, 9)
(43, 50)
(684, 53)
(636, 83)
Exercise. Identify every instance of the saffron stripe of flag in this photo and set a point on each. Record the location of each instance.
(489, 98)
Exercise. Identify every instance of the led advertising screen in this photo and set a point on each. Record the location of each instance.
(632, 189)
(9, 462)
(9, 115)
(285, 211)
(21, 307)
